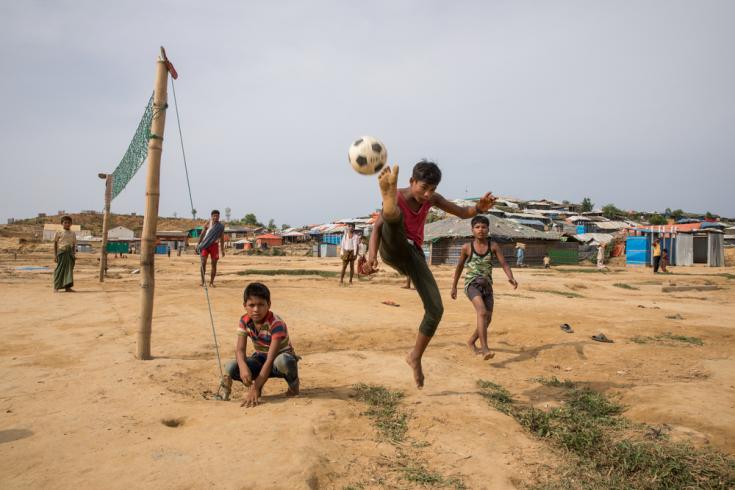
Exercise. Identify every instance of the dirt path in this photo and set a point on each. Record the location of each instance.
(77, 410)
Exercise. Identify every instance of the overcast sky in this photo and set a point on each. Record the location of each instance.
(631, 103)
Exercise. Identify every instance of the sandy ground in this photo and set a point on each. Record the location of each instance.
(77, 410)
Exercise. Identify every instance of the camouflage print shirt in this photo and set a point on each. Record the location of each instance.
(478, 266)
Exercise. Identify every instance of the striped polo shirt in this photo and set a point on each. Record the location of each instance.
(273, 329)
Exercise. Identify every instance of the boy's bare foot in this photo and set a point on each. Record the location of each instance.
(472, 347)
(487, 355)
(418, 372)
(388, 183)
(69, 290)
(293, 389)
(211, 285)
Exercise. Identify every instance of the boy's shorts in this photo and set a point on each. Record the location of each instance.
(481, 287)
(348, 256)
(212, 250)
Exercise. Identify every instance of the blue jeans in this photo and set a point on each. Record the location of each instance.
(285, 366)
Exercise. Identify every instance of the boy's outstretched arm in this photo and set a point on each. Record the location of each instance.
(463, 254)
(486, 202)
(252, 397)
(241, 354)
(372, 260)
(56, 248)
(222, 244)
(501, 260)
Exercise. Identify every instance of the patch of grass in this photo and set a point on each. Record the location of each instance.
(287, 272)
(567, 294)
(681, 338)
(667, 336)
(555, 382)
(499, 397)
(391, 422)
(414, 471)
(623, 285)
(606, 450)
(585, 270)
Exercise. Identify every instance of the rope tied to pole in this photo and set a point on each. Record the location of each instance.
(191, 201)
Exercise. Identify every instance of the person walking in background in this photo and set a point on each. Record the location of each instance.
(656, 255)
(520, 254)
(601, 256)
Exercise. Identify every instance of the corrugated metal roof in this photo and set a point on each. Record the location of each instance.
(499, 227)
(594, 237)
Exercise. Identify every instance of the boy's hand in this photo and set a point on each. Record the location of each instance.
(372, 263)
(454, 293)
(252, 398)
(513, 283)
(486, 202)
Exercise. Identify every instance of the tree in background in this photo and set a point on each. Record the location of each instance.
(284, 226)
(271, 224)
(251, 220)
(677, 214)
(610, 211)
(587, 205)
(657, 219)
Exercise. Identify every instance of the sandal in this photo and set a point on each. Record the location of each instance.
(566, 328)
(601, 337)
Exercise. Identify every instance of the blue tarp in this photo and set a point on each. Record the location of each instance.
(709, 224)
(637, 250)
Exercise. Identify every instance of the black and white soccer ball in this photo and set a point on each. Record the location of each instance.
(368, 155)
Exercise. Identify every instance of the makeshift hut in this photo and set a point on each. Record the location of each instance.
(686, 244)
(444, 239)
(268, 240)
(174, 240)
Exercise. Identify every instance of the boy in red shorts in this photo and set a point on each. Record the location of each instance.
(213, 232)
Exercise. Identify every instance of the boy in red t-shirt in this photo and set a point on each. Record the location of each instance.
(399, 235)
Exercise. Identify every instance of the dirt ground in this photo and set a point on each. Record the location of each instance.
(77, 410)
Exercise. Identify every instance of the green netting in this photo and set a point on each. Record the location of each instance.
(136, 154)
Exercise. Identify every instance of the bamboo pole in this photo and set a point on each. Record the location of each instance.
(150, 221)
(105, 224)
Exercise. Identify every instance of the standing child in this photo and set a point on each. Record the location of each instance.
(349, 246)
(476, 258)
(547, 261)
(399, 235)
(65, 243)
(207, 245)
(273, 355)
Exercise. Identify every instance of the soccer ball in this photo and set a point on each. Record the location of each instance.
(367, 155)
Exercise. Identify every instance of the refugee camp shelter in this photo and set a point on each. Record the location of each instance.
(268, 240)
(444, 239)
(120, 233)
(174, 240)
(686, 244)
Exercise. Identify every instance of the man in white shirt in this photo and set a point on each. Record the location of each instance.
(350, 246)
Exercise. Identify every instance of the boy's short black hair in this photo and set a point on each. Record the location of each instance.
(256, 290)
(480, 219)
(214, 211)
(426, 171)
(66, 218)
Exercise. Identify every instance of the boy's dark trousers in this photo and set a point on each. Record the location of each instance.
(656, 262)
(406, 258)
(285, 366)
